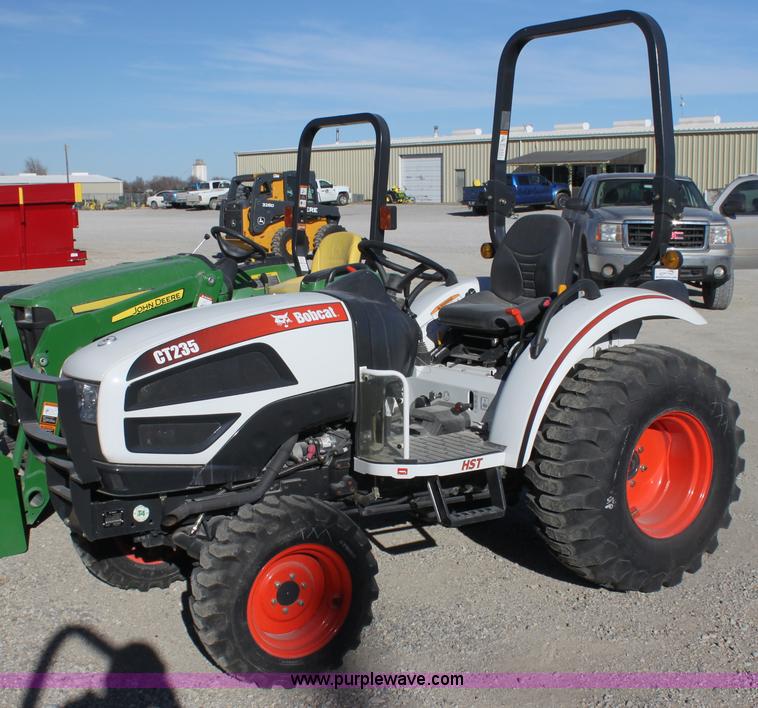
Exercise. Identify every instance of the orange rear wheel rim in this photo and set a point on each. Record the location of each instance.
(669, 475)
(299, 601)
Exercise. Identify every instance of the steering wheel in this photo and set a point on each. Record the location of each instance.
(427, 270)
(235, 252)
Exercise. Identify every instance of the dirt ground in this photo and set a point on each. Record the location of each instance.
(487, 599)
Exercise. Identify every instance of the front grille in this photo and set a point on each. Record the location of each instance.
(639, 235)
(30, 331)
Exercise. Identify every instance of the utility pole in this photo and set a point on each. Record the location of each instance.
(65, 151)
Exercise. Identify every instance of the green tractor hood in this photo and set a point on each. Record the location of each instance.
(93, 290)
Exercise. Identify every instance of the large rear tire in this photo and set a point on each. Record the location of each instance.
(718, 297)
(325, 231)
(343, 199)
(119, 563)
(635, 465)
(285, 585)
(281, 243)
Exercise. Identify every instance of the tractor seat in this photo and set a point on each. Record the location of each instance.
(530, 264)
(336, 249)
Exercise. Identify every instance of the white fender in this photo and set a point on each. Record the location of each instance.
(576, 332)
(427, 305)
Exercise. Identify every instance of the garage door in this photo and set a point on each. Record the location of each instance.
(421, 177)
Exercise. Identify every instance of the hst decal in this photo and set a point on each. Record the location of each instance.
(235, 332)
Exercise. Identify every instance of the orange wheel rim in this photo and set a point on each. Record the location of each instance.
(299, 601)
(669, 475)
(138, 554)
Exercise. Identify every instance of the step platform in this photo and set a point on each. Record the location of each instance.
(436, 456)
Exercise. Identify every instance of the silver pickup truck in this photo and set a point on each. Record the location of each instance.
(614, 219)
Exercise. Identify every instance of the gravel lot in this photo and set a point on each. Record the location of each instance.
(487, 599)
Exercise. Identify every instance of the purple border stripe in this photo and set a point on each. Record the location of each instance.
(553, 680)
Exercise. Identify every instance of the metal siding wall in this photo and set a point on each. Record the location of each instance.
(712, 158)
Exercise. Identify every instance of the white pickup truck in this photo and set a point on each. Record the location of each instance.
(206, 195)
(329, 193)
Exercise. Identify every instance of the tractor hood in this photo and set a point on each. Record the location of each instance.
(158, 344)
(91, 290)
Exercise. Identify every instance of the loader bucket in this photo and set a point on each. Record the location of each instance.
(13, 538)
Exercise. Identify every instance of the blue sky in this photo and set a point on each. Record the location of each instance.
(144, 88)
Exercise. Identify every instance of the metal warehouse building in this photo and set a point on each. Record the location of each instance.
(94, 187)
(435, 168)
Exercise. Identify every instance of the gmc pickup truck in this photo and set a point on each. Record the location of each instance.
(612, 220)
(531, 189)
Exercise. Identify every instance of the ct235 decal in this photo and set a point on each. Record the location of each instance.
(181, 350)
(227, 334)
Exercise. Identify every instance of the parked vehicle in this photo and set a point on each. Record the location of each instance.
(530, 189)
(738, 203)
(329, 193)
(206, 194)
(612, 220)
(162, 199)
(256, 206)
(397, 195)
(254, 439)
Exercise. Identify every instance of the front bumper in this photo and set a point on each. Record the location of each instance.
(697, 266)
(94, 498)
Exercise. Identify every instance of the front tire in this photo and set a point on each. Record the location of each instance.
(635, 466)
(285, 585)
(213, 204)
(718, 297)
(560, 200)
(118, 563)
(153, 204)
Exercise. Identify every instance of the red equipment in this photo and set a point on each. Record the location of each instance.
(37, 223)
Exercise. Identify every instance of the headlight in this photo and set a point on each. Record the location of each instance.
(86, 394)
(608, 232)
(720, 235)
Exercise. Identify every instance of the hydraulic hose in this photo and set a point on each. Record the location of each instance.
(229, 500)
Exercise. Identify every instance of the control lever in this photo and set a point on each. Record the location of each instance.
(202, 241)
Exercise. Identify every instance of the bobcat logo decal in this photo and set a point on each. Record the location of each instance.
(282, 320)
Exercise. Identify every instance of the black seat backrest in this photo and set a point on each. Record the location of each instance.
(534, 258)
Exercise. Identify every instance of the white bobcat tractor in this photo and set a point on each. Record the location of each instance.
(253, 439)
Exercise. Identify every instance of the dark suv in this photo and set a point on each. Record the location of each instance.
(614, 216)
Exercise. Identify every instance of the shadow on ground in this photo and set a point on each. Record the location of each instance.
(134, 658)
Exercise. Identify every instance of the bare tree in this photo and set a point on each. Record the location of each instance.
(34, 165)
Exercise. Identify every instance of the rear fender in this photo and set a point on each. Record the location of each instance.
(427, 305)
(578, 331)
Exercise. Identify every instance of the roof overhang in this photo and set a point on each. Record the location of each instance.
(581, 157)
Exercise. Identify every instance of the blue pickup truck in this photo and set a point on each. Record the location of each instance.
(531, 189)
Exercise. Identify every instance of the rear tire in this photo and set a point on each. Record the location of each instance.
(118, 563)
(213, 204)
(718, 297)
(342, 199)
(281, 241)
(325, 231)
(285, 585)
(635, 465)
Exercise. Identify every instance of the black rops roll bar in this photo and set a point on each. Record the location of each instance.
(381, 176)
(666, 202)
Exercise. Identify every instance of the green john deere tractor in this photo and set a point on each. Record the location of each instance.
(41, 325)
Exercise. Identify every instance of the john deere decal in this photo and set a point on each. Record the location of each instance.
(149, 305)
